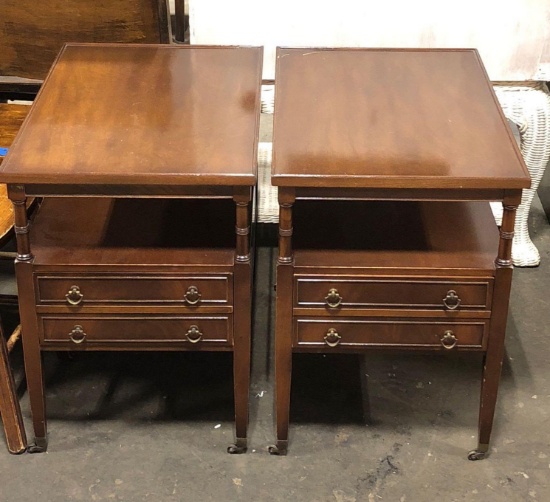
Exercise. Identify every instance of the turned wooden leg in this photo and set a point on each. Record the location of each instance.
(242, 322)
(9, 404)
(29, 326)
(283, 323)
(492, 363)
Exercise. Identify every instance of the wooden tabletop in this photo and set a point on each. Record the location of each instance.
(390, 118)
(143, 114)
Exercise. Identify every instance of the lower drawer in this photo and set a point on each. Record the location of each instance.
(88, 330)
(390, 333)
(138, 289)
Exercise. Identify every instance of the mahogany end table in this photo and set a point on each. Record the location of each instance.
(146, 159)
(384, 160)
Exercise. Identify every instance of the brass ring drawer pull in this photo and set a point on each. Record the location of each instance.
(193, 334)
(333, 298)
(449, 340)
(192, 296)
(451, 301)
(74, 296)
(332, 338)
(77, 334)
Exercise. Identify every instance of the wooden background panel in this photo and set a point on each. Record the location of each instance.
(32, 33)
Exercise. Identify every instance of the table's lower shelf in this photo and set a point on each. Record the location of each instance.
(163, 233)
(401, 238)
(102, 265)
(374, 286)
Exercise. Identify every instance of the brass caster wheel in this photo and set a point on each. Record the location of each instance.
(233, 449)
(477, 455)
(239, 446)
(279, 449)
(40, 446)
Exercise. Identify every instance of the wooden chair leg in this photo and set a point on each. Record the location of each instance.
(9, 405)
(12, 340)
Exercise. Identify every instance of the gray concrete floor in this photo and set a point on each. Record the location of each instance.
(155, 426)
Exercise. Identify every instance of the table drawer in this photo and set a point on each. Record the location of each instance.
(369, 293)
(79, 331)
(111, 289)
(394, 333)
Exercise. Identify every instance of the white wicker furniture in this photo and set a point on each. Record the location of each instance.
(527, 104)
(268, 205)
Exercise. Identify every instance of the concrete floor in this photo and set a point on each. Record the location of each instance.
(155, 426)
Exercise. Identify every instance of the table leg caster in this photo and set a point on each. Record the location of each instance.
(40, 445)
(280, 448)
(479, 453)
(239, 446)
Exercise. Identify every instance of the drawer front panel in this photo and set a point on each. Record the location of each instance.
(104, 290)
(390, 333)
(87, 330)
(389, 293)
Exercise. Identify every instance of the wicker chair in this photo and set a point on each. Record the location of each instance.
(9, 404)
(528, 106)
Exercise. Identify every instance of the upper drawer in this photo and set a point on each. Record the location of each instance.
(406, 293)
(111, 289)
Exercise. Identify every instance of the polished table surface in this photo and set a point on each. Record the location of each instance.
(387, 118)
(142, 115)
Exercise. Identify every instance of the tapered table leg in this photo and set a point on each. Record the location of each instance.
(492, 363)
(31, 344)
(241, 356)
